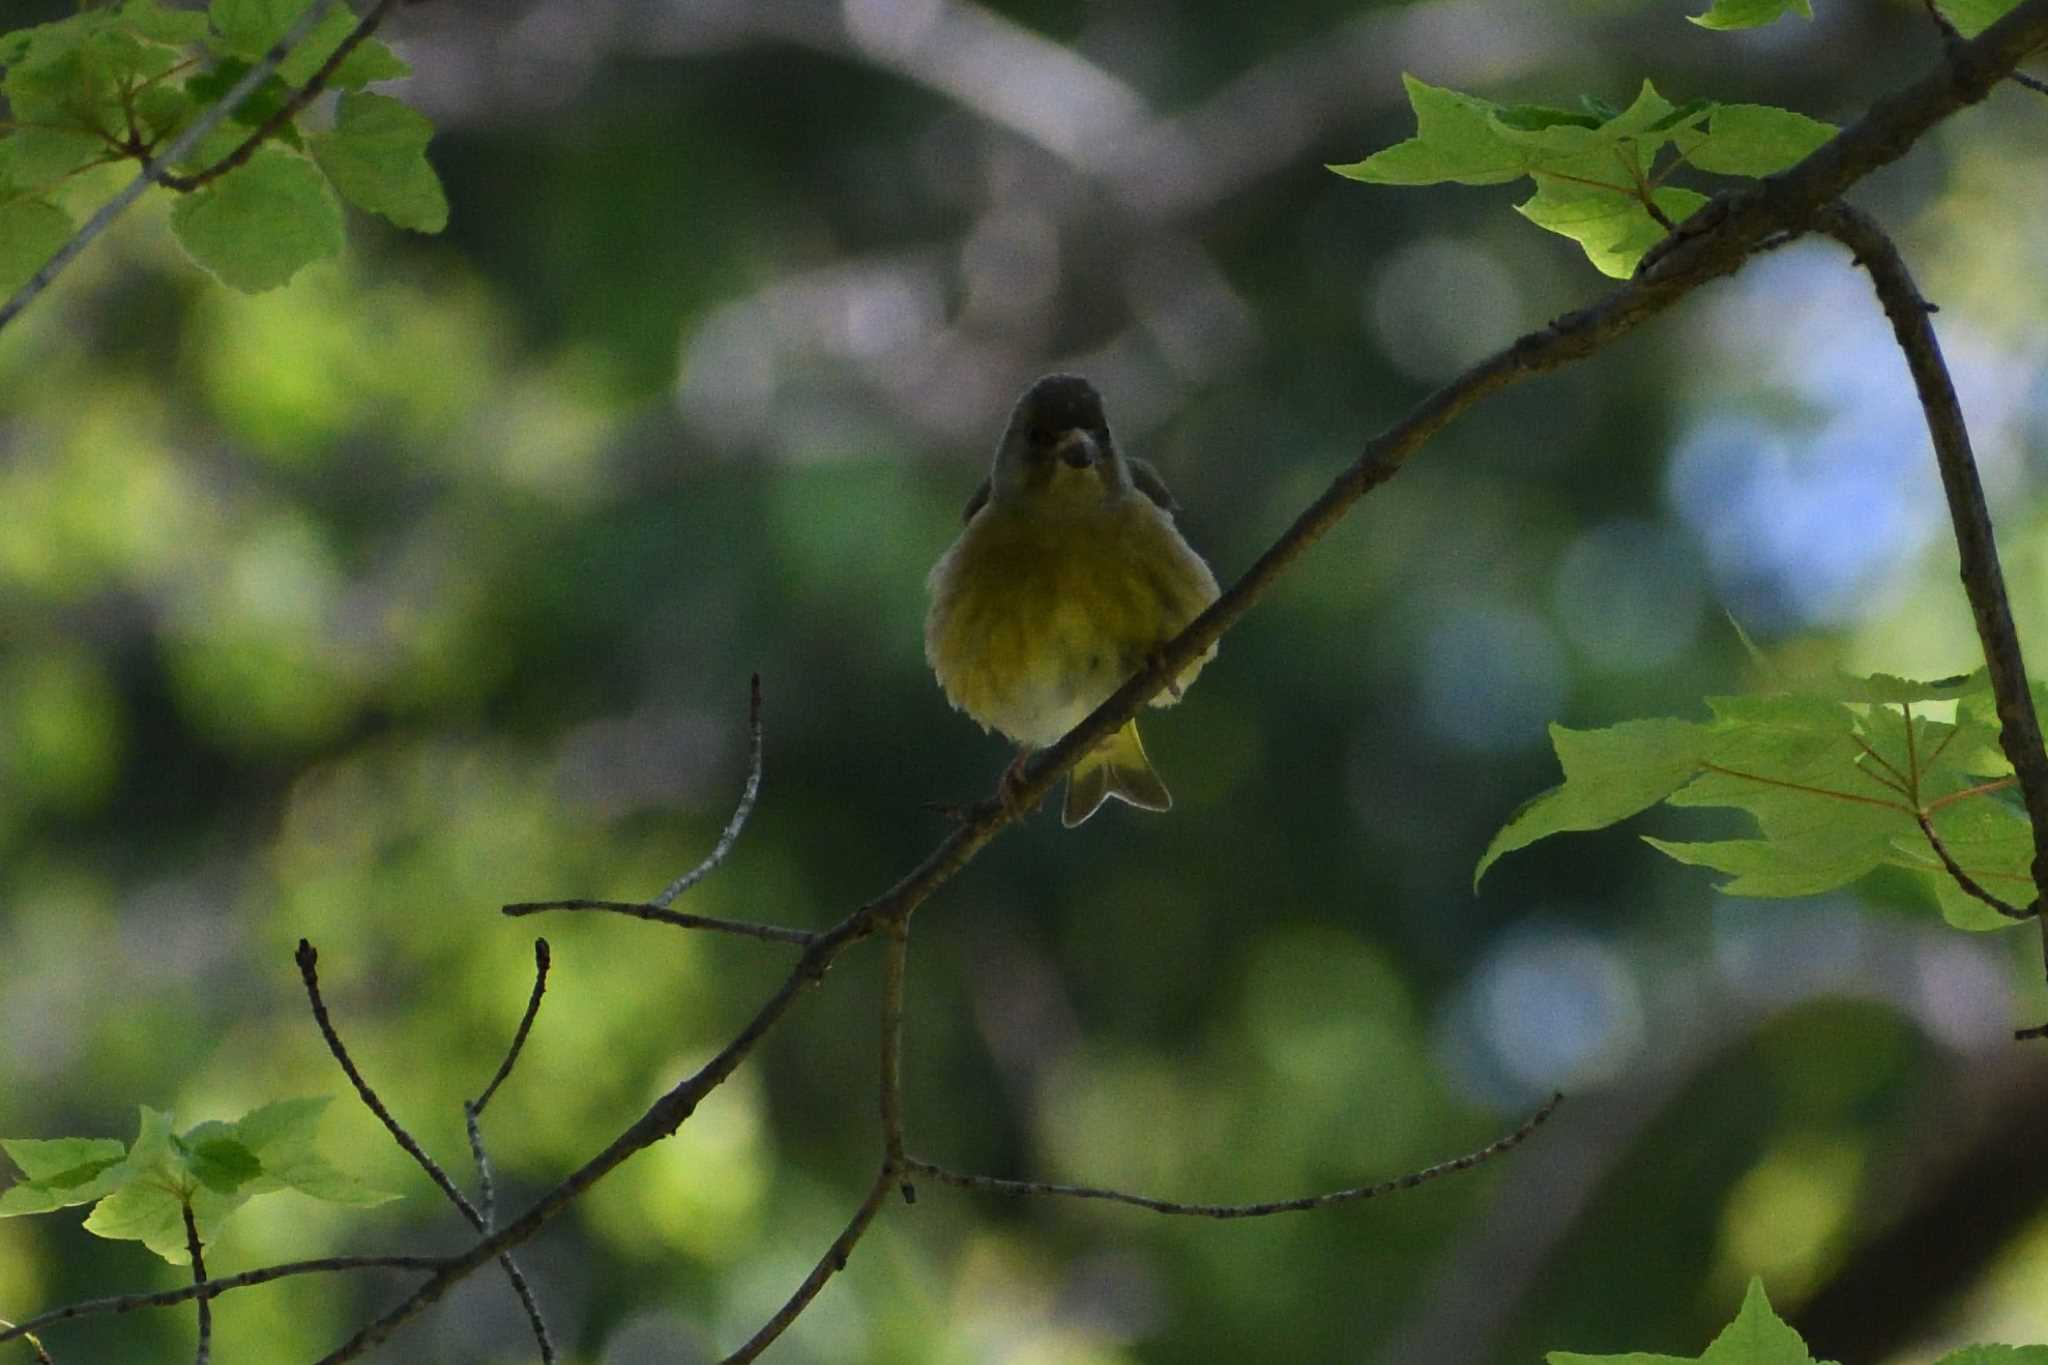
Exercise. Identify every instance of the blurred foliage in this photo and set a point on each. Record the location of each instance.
(433, 580)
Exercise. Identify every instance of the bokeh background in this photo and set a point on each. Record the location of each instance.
(434, 581)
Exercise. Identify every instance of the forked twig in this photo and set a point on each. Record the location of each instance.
(307, 958)
(472, 1110)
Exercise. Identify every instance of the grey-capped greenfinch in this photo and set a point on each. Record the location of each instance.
(1068, 577)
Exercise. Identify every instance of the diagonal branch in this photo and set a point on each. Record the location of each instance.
(648, 910)
(1712, 242)
(993, 1185)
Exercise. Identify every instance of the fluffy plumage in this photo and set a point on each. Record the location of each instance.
(1069, 574)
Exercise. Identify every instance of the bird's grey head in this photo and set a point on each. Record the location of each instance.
(1057, 430)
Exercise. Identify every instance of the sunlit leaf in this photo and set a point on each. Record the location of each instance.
(31, 231)
(1972, 17)
(1758, 1336)
(259, 224)
(1753, 140)
(377, 157)
(1727, 14)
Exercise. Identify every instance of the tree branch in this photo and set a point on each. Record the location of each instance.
(831, 1263)
(197, 1253)
(994, 1185)
(648, 910)
(1711, 243)
(213, 1289)
(2019, 731)
(42, 1356)
(157, 166)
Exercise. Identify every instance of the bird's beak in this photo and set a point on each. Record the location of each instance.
(1077, 448)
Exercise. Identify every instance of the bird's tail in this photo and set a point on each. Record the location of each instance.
(1117, 767)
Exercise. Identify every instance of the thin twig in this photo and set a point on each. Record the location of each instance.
(1709, 244)
(213, 1289)
(42, 1356)
(830, 1264)
(307, 958)
(649, 911)
(541, 962)
(287, 111)
(2019, 732)
(193, 1249)
(472, 1110)
(993, 1185)
(895, 953)
(1962, 878)
(748, 795)
(154, 171)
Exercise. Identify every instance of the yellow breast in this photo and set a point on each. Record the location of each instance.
(1039, 612)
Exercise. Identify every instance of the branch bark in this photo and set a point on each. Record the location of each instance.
(2019, 731)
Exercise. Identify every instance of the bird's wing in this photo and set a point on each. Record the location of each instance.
(1148, 482)
(975, 503)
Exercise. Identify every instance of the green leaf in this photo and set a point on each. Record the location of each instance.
(1592, 169)
(1456, 138)
(1758, 1336)
(31, 231)
(316, 1177)
(1754, 140)
(218, 1159)
(282, 1127)
(149, 1209)
(1609, 775)
(1972, 17)
(1726, 14)
(249, 28)
(1833, 780)
(259, 224)
(58, 1172)
(377, 157)
(160, 23)
(1996, 1355)
(370, 61)
(1615, 230)
(36, 158)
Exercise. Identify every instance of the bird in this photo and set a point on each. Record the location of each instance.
(1067, 577)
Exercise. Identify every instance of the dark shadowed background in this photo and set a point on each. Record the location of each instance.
(434, 581)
